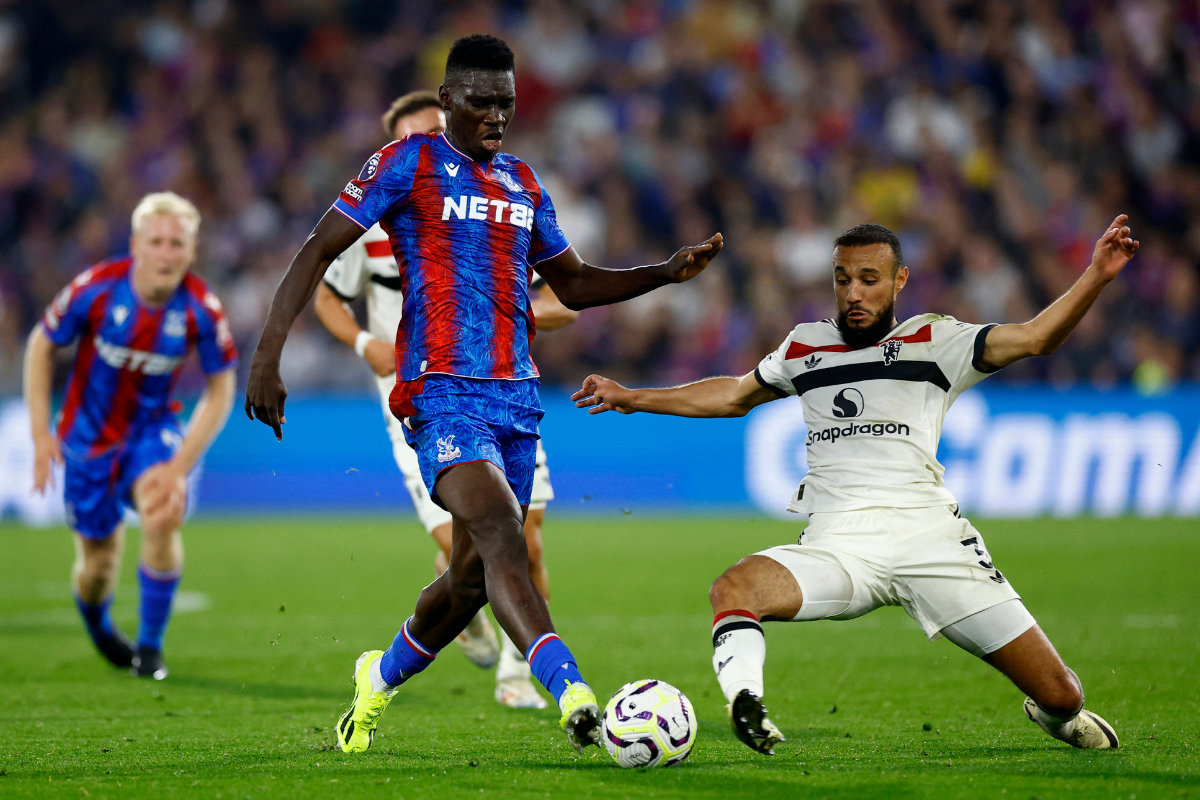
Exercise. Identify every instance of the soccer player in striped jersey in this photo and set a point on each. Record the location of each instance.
(369, 267)
(136, 319)
(466, 223)
(883, 528)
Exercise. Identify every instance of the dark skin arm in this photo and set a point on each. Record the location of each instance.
(581, 285)
(265, 392)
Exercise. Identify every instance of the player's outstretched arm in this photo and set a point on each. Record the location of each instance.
(38, 379)
(581, 285)
(265, 392)
(1044, 333)
(711, 397)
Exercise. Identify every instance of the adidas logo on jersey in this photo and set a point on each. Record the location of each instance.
(119, 357)
(811, 362)
(472, 207)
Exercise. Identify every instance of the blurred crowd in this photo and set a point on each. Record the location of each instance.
(997, 138)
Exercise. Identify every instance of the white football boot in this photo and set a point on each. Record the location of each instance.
(478, 642)
(514, 687)
(1087, 731)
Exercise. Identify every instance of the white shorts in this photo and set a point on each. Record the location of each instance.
(930, 561)
(429, 513)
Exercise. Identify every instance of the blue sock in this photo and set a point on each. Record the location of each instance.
(551, 661)
(405, 658)
(157, 593)
(96, 618)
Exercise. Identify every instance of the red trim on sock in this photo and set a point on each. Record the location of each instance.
(537, 647)
(737, 612)
(414, 644)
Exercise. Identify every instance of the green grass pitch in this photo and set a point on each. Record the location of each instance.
(276, 611)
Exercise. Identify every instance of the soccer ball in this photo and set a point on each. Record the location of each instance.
(648, 724)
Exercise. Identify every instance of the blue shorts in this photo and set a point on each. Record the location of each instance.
(98, 490)
(460, 420)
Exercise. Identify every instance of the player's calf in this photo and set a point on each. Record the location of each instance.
(1054, 694)
(161, 501)
(93, 575)
(754, 588)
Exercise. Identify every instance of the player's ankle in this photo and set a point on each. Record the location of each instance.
(737, 687)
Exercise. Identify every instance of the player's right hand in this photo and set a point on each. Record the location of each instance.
(266, 394)
(603, 395)
(46, 453)
(381, 357)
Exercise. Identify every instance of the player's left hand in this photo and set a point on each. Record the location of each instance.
(603, 395)
(689, 262)
(266, 394)
(1114, 249)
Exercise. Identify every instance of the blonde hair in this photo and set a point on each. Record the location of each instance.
(167, 203)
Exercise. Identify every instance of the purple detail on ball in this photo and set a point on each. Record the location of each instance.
(666, 727)
(647, 686)
(648, 743)
(623, 716)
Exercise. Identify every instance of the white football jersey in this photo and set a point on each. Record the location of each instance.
(368, 265)
(874, 414)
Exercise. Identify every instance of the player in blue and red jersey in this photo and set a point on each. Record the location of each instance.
(466, 224)
(135, 319)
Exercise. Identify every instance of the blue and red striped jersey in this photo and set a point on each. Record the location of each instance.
(465, 234)
(130, 354)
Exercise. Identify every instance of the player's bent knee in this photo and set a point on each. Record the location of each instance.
(728, 591)
(98, 557)
(159, 526)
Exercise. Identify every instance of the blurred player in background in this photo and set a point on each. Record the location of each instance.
(369, 266)
(883, 528)
(136, 319)
(466, 224)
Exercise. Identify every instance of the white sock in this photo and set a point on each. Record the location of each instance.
(377, 682)
(512, 660)
(739, 652)
(1057, 727)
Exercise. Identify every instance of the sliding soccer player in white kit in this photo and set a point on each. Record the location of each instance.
(368, 267)
(883, 529)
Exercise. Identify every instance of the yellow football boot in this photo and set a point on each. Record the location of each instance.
(581, 715)
(356, 728)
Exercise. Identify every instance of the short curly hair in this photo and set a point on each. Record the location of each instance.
(480, 51)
